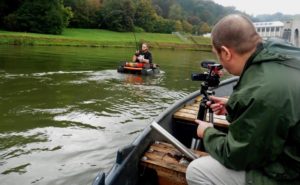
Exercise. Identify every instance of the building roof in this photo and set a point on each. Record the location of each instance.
(268, 24)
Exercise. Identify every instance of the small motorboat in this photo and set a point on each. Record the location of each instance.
(151, 159)
(138, 68)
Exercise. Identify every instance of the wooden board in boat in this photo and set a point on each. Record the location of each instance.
(189, 113)
(167, 161)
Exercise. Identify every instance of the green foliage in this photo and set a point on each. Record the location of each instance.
(67, 14)
(195, 12)
(145, 15)
(162, 25)
(163, 6)
(175, 12)
(138, 29)
(178, 26)
(194, 20)
(206, 11)
(39, 16)
(7, 7)
(204, 28)
(187, 27)
(117, 15)
(127, 15)
(85, 13)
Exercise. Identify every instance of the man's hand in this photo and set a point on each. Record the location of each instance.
(202, 126)
(141, 58)
(217, 105)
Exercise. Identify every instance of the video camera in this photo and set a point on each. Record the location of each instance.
(210, 78)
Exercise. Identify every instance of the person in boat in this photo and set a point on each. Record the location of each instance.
(262, 145)
(143, 55)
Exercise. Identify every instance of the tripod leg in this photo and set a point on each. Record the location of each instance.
(211, 116)
(196, 142)
(202, 111)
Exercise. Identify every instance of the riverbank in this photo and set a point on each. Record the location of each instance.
(105, 38)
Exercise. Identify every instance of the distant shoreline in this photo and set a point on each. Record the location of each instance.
(103, 38)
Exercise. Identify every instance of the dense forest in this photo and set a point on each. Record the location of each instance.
(162, 16)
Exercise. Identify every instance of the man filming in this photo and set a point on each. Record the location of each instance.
(262, 145)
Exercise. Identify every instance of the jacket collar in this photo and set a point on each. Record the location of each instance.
(250, 60)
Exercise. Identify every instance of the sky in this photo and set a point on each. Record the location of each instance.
(255, 7)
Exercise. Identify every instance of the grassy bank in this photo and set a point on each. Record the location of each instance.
(104, 38)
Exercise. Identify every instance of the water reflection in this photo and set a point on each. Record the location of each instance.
(60, 153)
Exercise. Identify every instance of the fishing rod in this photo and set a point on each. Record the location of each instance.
(133, 32)
(136, 44)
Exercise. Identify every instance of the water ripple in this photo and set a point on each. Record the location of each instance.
(69, 152)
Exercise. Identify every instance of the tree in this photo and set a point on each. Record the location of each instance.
(187, 27)
(175, 12)
(162, 25)
(117, 15)
(164, 6)
(145, 15)
(194, 20)
(7, 7)
(85, 12)
(204, 28)
(178, 26)
(40, 16)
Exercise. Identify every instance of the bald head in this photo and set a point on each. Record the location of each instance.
(236, 32)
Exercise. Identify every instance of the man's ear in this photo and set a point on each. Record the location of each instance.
(226, 53)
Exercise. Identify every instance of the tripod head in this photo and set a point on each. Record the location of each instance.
(211, 78)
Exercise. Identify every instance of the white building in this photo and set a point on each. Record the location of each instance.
(269, 29)
(288, 30)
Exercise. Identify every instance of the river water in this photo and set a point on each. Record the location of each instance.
(64, 111)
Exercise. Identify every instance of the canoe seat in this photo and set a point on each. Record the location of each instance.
(168, 163)
(189, 113)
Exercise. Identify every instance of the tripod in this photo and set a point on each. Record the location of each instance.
(202, 113)
(212, 79)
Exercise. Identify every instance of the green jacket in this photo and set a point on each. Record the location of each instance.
(264, 111)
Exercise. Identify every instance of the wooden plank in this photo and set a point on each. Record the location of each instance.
(162, 154)
(198, 98)
(169, 177)
(191, 107)
(195, 105)
(218, 120)
(170, 169)
(185, 116)
(189, 113)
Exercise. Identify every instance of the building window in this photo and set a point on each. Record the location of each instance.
(263, 30)
(272, 29)
(267, 29)
(258, 29)
(277, 29)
